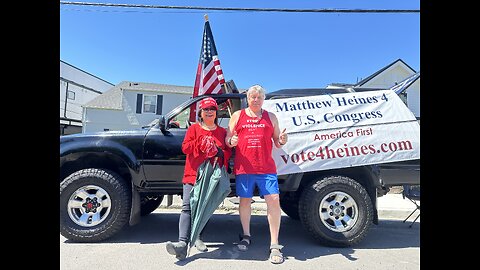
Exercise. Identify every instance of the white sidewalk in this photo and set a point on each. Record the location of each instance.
(395, 202)
(396, 207)
(390, 206)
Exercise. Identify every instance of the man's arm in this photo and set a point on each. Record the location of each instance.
(231, 128)
(277, 135)
(276, 130)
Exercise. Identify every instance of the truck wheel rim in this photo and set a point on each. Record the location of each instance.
(338, 211)
(89, 206)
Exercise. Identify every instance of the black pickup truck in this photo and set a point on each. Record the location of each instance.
(110, 179)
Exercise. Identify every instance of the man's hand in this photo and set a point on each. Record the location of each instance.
(283, 137)
(234, 139)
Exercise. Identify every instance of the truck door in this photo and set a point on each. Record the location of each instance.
(163, 159)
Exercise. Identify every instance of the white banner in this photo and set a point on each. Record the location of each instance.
(344, 130)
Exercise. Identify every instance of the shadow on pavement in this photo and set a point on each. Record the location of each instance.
(223, 229)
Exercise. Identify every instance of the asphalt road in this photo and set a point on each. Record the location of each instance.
(389, 245)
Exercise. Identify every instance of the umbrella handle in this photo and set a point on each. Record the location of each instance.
(215, 162)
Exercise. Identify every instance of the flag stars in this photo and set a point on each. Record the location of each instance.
(211, 74)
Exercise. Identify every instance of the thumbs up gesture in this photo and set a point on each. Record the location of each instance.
(234, 139)
(283, 137)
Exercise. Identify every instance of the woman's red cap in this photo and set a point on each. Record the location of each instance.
(208, 102)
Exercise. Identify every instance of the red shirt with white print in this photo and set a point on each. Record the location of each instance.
(253, 153)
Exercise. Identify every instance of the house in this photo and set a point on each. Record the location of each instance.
(130, 105)
(77, 87)
(386, 78)
(134, 104)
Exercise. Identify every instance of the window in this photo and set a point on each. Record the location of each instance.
(71, 95)
(224, 111)
(182, 118)
(149, 104)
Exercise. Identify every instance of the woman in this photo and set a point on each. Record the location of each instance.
(203, 140)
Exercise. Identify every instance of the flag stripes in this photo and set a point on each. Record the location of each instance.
(209, 77)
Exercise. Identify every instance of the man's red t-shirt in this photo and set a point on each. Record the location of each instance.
(253, 153)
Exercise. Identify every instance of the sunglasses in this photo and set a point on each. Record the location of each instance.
(209, 109)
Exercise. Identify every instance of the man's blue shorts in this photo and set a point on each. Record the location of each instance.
(266, 183)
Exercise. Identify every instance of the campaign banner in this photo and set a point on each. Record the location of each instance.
(344, 130)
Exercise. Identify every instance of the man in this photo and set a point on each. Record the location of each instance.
(253, 131)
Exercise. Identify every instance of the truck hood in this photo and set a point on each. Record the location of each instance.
(128, 142)
(105, 135)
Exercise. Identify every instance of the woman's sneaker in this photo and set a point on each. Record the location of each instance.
(179, 249)
(200, 245)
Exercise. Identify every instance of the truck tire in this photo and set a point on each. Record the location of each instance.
(336, 211)
(94, 205)
(148, 204)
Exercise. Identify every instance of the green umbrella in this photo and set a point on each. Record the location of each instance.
(211, 188)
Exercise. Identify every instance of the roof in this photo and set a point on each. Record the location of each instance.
(398, 88)
(90, 74)
(405, 84)
(362, 82)
(341, 85)
(112, 98)
(155, 87)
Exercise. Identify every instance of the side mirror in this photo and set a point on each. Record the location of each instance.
(163, 124)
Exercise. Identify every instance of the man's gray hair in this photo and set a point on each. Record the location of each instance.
(256, 88)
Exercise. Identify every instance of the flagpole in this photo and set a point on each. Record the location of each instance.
(205, 16)
(228, 107)
(224, 84)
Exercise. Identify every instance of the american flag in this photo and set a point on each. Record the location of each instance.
(209, 79)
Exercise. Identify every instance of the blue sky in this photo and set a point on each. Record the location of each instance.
(274, 49)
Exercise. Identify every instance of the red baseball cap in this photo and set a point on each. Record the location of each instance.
(207, 103)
